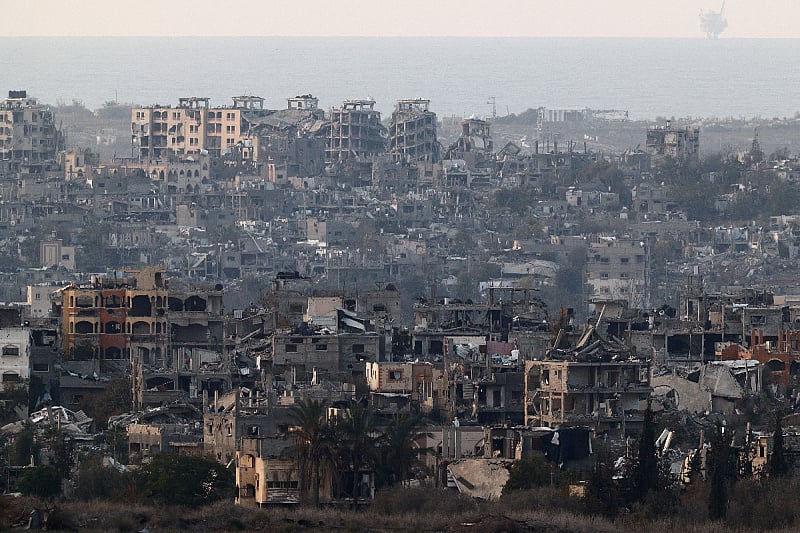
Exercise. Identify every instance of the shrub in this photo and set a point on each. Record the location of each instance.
(41, 481)
(97, 481)
(183, 480)
(528, 473)
(424, 500)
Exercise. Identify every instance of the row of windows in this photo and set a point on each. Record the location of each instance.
(622, 275)
(319, 346)
(292, 348)
(282, 484)
(623, 260)
(139, 328)
(176, 115)
(606, 290)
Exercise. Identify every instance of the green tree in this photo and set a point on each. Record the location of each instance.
(646, 474)
(401, 343)
(95, 481)
(61, 449)
(722, 472)
(358, 441)
(112, 111)
(41, 481)
(114, 400)
(25, 447)
(171, 479)
(777, 465)
(696, 467)
(96, 255)
(399, 450)
(528, 473)
(602, 491)
(315, 446)
(517, 199)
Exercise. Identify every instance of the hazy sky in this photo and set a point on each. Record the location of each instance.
(534, 18)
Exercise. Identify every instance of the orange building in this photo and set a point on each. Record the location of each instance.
(781, 360)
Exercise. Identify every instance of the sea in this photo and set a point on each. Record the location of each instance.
(482, 77)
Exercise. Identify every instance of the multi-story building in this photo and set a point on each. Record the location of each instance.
(421, 383)
(194, 127)
(666, 141)
(267, 472)
(616, 269)
(53, 253)
(15, 356)
(604, 394)
(356, 133)
(239, 414)
(38, 300)
(172, 341)
(117, 319)
(27, 130)
(325, 355)
(196, 362)
(412, 132)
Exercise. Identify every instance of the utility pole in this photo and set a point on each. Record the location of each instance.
(493, 100)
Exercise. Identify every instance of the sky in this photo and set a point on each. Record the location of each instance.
(413, 18)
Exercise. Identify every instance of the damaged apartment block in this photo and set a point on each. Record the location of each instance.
(412, 132)
(170, 341)
(600, 384)
(356, 134)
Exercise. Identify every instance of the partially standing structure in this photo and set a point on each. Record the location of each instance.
(27, 130)
(412, 132)
(667, 141)
(356, 133)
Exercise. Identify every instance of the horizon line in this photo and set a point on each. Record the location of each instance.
(406, 36)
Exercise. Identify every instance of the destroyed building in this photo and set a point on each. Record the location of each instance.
(412, 132)
(267, 472)
(171, 341)
(28, 132)
(239, 414)
(416, 386)
(308, 352)
(15, 357)
(116, 320)
(290, 140)
(197, 363)
(356, 133)
(474, 145)
(598, 383)
(668, 141)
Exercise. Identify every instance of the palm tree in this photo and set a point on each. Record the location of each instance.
(357, 431)
(314, 445)
(399, 447)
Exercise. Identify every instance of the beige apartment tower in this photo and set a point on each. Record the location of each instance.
(194, 127)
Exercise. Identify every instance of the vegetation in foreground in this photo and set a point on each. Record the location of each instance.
(753, 507)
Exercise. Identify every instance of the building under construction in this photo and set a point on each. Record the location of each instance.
(356, 133)
(412, 132)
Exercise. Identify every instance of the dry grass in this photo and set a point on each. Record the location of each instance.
(418, 510)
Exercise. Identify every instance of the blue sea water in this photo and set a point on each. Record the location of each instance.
(647, 77)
